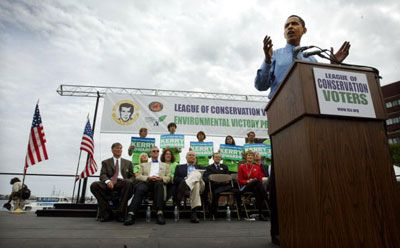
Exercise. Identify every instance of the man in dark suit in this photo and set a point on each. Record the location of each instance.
(188, 178)
(116, 175)
(217, 188)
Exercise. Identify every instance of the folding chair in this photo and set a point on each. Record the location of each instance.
(224, 178)
(247, 197)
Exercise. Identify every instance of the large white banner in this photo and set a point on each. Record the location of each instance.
(124, 113)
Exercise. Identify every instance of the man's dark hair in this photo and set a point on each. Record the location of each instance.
(126, 105)
(300, 19)
(14, 180)
(115, 144)
(251, 132)
(172, 124)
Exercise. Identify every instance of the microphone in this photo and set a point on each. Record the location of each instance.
(316, 52)
(298, 49)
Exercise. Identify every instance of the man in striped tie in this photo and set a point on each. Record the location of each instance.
(116, 175)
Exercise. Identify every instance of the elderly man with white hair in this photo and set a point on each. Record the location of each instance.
(189, 178)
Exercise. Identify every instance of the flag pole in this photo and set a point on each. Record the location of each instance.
(77, 170)
(76, 174)
(83, 195)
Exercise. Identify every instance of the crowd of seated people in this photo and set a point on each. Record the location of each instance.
(163, 178)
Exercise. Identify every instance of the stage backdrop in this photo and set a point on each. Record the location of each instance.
(124, 113)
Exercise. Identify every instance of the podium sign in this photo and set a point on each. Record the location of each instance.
(343, 93)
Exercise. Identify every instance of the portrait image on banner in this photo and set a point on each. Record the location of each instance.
(125, 113)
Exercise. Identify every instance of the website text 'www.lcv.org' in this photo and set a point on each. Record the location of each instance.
(348, 110)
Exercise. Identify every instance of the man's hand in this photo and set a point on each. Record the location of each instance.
(342, 53)
(110, 185)
(267, 49)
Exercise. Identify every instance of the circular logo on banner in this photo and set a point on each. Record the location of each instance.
(155, 106)
(125, 112)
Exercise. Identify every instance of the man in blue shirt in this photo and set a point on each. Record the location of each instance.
(278, 62)
(271, 74)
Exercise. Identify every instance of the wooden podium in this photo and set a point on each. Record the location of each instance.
(335, 182)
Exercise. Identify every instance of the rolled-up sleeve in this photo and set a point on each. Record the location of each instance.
(262, 81)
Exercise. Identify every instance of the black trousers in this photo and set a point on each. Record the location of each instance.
(139, 192)
(272, 200)
(157, 190)
(216, 193)
(256, 187)
(102, 193)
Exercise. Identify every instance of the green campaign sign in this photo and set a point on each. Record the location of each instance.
(231, 152)
(172, 140)
(202, 149)
(143, 144)
(264, 150)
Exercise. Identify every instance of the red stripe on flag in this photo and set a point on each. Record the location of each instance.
(36, 150)
(35, 144)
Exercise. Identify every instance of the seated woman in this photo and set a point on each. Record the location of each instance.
(250, 180)
(168, 157)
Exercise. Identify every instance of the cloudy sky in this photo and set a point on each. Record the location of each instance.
(175, 45)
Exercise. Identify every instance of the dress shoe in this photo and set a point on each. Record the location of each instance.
(275, 240)
(194, 218)
(129, 220)
(160, 219)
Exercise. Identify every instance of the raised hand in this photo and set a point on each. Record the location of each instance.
(342, 53)
(267, 49)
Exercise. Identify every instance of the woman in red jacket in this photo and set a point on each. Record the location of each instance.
(250, 179)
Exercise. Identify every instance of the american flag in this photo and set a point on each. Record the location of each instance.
(87, 145)
(37, 142)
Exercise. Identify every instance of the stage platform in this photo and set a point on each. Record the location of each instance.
(28, 230)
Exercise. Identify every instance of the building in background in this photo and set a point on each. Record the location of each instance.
(391, 97)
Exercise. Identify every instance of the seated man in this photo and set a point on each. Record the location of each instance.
(115, 175)
(153, 176)
(16, 195)
(188, 178)
(217, 188)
